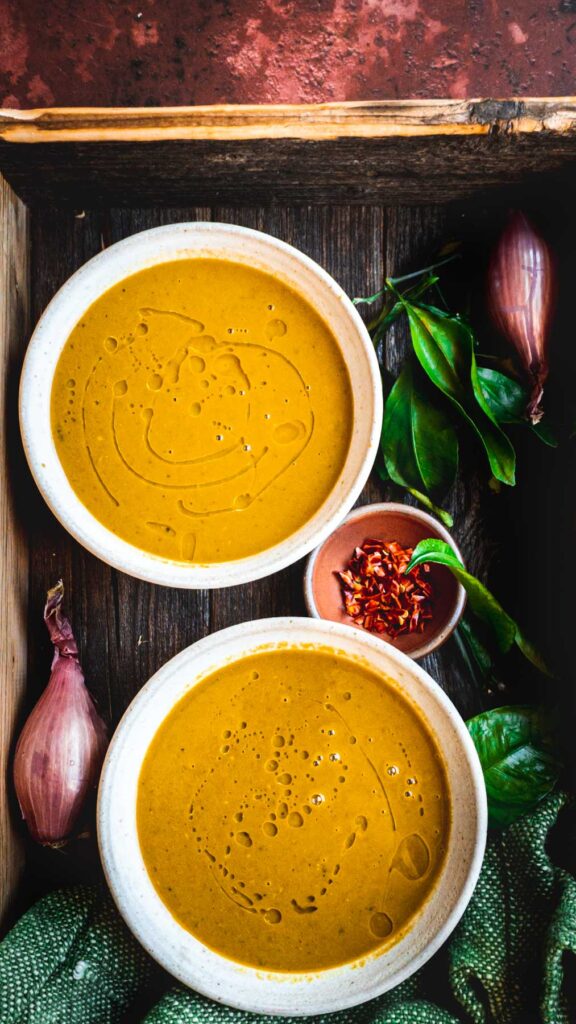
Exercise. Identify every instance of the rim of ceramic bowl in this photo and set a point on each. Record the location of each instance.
(435, 641)
(180, 241)
(184, 956)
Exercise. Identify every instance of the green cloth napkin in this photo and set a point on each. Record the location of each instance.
(70, 960)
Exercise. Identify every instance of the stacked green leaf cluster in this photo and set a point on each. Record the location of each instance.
(440, 389)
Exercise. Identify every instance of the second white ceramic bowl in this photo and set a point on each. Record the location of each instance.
(175, 242)
(181, 953)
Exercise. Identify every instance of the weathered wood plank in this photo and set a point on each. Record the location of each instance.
(13, 548)
(394, 170)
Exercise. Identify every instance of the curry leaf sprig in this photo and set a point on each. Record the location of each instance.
(440, 388)
(516, 746)
(444, 347)
(483, 604)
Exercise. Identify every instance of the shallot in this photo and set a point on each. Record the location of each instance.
(521, 294)
(61, 748)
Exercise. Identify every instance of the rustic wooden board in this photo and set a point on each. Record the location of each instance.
(13, 546)
(126, 628)
(392, 152)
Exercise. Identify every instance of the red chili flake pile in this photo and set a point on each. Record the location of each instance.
(378, 594)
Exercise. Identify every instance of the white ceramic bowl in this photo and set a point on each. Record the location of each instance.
(173, 242)
(183, 955)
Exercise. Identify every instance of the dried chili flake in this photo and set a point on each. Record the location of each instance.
(378, 594)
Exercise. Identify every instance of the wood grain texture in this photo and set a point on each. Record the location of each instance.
(13, 546)
(391, 172)
(314, 121)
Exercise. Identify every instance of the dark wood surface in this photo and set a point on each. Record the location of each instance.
(127, 629)
(407, 168)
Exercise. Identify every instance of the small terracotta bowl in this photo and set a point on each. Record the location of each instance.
(389, 521)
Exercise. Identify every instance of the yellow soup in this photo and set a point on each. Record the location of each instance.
(293, 810)
(202, 410)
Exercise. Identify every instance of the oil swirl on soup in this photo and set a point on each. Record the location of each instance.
(202, 410)
(293, 810)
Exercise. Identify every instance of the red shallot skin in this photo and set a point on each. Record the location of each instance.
(521, 299)
(61, 748)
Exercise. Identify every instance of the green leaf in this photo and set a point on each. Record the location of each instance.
(412, 293)
(477, 657)
(481, 601)
(382, 471)
(444, 347)
(516, 750)
(508, 399)
(419, 444)
(440, 513)
(392, 310)
(476, 651)
(531, 653)
(544, 431)
(435, 444)
(504, 629)
(368, 299)
(382, 322)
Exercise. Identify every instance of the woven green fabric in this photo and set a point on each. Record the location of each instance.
(70, 960)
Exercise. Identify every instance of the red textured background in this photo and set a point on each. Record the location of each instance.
(90, 52)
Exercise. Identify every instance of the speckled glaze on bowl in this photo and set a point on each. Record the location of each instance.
(174, 242)
(181, 953)
(386, 521)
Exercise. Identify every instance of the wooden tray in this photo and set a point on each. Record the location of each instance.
(362, 188)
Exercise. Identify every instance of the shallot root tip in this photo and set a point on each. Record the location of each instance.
(54, 599)
(58, 625)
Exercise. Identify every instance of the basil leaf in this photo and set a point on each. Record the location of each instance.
(504, 629)
(419, 444)
(516, 751)
(444, 347)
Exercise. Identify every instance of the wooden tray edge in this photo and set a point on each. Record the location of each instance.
(13, 551)
(323, 121)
